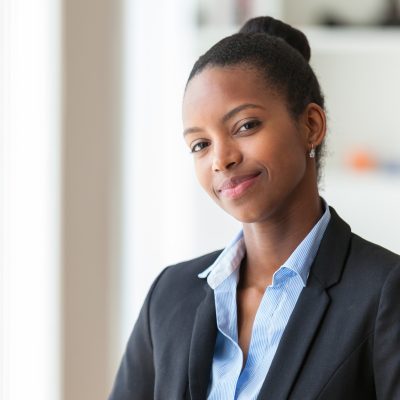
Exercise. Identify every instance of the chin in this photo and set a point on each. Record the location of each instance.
(244, 216)
(249, 212)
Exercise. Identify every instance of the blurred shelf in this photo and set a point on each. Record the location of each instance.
(354, 39)
(358, 39)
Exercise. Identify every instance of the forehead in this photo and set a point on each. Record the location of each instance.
(216, 89)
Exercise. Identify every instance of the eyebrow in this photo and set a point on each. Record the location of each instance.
(230, 114)
(237, 109)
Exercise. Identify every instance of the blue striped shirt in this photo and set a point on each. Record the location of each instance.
(228, 380)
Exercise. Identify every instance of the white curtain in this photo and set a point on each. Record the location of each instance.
(29, 229)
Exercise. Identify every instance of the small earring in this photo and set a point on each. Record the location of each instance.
(312, 152)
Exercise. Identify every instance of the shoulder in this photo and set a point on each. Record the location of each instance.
(368, 272)
(373, 260)
(373, 253)
(361, 258)
(377, 270)
(178, 285)
(354, 269)
(186, 272)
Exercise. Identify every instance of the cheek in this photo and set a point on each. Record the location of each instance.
(283, 157)
(291, 169)
(203, 174)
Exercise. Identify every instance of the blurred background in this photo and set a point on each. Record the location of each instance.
(97, 192)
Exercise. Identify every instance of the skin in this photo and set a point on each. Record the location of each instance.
(237, 126)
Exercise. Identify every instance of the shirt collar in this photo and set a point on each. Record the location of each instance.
(299, 261)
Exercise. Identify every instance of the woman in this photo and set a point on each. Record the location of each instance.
(297, 306)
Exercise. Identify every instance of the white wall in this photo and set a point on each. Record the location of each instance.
(358, 71)
(369, 202)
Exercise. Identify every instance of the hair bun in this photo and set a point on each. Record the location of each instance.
(277, 28)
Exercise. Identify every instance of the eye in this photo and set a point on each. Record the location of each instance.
(198, 147)
(247, 126)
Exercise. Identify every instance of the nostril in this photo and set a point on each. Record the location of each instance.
(225, 158)
(221, 167)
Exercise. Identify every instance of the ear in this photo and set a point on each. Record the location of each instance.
(314, 124)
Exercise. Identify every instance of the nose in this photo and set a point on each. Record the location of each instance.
(226, 155)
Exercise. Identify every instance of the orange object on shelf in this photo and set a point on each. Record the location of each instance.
(362, 160)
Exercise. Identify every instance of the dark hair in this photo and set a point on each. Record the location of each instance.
(280, 52)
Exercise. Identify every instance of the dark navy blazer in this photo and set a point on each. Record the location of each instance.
(342, 341)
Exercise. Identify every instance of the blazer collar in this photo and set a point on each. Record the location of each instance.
(202, 346)
(332, 253)
(309, 311)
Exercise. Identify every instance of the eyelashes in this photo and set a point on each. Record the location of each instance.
(244, 129)
(199, 146)
(248, 126)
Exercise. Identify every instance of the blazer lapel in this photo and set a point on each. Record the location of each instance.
(309, 311)
(295, 341)
(202, 346)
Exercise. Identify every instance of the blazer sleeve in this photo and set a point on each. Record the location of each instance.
(387, 340)
(135, 377)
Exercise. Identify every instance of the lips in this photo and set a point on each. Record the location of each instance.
(236, 186)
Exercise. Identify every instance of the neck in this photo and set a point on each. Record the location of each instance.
(271, 242)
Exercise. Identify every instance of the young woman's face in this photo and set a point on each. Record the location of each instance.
(249, 154)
